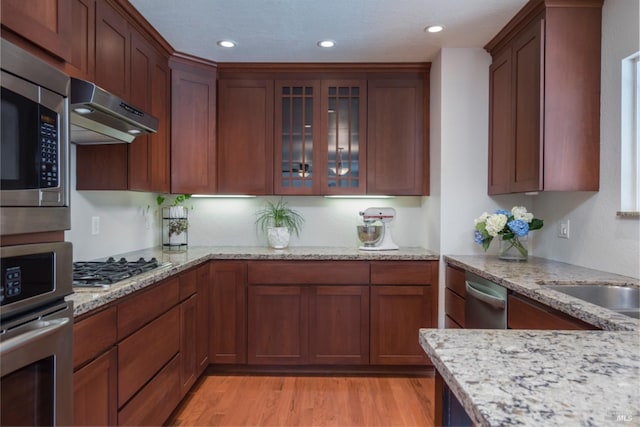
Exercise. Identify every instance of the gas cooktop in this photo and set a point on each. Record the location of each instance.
(103, 274)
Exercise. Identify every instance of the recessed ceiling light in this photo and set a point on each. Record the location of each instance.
(226, 43)
(434, 28)
(326, 43)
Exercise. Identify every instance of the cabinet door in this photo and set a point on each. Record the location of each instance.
(47, 23)
(188, 340)
(245, 136)
(81, 63)
(159, 142)
(95, 388)
(524, 313)
(397, 152)
(343, 107)
(278, 330)
(112, 51)
(501, 165)
(397, 313)
(202, 327)
(528, 106)
(297, 152)
(228, 313)
(339, 325)
(193, 128)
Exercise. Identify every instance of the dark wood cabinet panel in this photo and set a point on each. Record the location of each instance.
(81, 63)
(397, 313)
(159, 145)
(193, 128)
(188, 342)
(93, 335)
(455, 280)
(454, 306)
(308, 272)
(101, 167)
(454, 297)
(524, 313)
(112, 50)
(95, 401)
(144, 353)
(397, 151)
(544, 125)
(155, 402)
(46, 23)
(228, 312)
(402, 273)
(202, 328)
(245, 136)
(339, 325)
(278, 325)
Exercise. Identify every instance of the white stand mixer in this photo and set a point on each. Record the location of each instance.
(386, 215)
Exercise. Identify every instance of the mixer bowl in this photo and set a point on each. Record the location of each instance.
(370, 235)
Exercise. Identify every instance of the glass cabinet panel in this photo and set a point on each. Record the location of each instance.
(345, 104)
(295, 129)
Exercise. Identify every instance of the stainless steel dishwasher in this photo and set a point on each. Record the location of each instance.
(485, 303)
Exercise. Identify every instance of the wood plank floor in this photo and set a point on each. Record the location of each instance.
(312, 400)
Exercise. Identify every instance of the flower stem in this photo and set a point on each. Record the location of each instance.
(516, 243)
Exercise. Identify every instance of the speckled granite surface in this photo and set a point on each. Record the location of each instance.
(527, 277)
(87, 299)
(540, 378)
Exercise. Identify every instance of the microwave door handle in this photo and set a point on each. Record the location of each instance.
(44, 328)
(493, 301)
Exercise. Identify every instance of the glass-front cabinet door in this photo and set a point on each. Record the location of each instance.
(297, 150)
(344, 126)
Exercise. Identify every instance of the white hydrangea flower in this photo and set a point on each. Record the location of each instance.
(520, 212)
(495, 223)
(480, 219)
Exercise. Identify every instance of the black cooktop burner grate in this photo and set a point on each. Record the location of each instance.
(105, 273)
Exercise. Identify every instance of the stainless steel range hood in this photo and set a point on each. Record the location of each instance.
(99, 117)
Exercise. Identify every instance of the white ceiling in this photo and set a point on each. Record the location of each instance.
(288, 30)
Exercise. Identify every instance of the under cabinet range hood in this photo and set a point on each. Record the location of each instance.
(99, 117)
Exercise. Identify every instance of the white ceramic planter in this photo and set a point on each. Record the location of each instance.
(278, 237)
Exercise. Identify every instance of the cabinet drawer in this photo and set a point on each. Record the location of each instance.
(523, 313)
(454, 306)
(449, 323)
(401, 273)
(142, 354)
(93, 335)
(155, 402)
(454, 280)
(188, 283)
(146, 306)
(308, 272)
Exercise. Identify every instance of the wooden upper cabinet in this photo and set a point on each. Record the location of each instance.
(193, 127)
(82, 60)
(112, 51)
(397, 151)
(245, 136)
(46, 23)
(160, 143)
(544, 99)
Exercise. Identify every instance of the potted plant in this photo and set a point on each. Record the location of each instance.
(174, 222)
(278, 221)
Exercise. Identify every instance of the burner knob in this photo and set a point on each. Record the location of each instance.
(111, 259)
(123, 260)
(141, 260)
(153, 259)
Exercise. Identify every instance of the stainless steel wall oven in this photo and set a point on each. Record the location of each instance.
(36, 335)
(34, 136)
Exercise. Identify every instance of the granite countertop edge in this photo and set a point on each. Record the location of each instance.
(174, 262)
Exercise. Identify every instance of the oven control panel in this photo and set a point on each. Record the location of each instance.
(26, 276)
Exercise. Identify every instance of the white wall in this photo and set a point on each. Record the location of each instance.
(598, 239)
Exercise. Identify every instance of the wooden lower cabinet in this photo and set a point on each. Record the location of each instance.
(397, 313)
(95, 401)
(228, 312)
(203, 280)
(188, 339)
(524, 313)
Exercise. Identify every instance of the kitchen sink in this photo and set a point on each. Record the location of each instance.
(622, 299)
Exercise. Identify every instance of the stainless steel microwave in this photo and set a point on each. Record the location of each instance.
(34, 165)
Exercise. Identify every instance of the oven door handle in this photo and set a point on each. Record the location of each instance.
(481, 293)
(41, 329)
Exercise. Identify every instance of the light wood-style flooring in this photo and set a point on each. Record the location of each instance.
(311, 400)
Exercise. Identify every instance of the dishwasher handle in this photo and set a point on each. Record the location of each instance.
(481, 293)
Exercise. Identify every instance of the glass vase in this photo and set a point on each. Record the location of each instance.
(175, 224)
(516, 249)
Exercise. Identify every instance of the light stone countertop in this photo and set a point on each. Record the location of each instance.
(526, 278)
(88, 299)
(540, 378)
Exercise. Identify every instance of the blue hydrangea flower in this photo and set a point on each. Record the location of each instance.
(477, 237)
(519, 227)
(503, 212)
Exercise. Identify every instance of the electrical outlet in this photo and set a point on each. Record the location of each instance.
(563, 229)
(95, 225)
